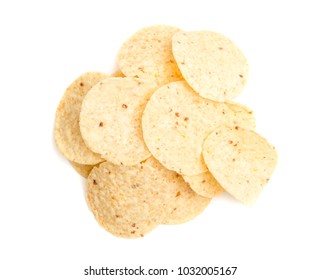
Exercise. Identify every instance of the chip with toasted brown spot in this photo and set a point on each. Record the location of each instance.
(211, 64)
(130, 201)
(66, 131)
(148, 55)
(185, 206)
(110, 119)
(241, 161)
(176, 121)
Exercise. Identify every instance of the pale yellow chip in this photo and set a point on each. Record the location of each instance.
(241, 161)
(148, 55)
(204, 184)
(130, 201)
(211, 64)
(186, 206)
(110, 119)
(177, 120)
(66, 131)
(83, 169)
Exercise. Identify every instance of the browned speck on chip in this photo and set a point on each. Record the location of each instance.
(186, 205)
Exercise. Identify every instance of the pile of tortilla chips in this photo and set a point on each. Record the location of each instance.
(161, 138)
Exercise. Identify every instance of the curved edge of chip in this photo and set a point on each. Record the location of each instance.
(67, 134)
(96, 121)
(243, 169)
(153, 58)
(214, 52)
(204, 184)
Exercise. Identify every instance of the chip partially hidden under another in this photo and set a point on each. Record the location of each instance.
(211, 64)
(204, 184)
(110, 119)
(83, 169)
(130, 201)
(185, 206)
(148, 55)
(66, 131)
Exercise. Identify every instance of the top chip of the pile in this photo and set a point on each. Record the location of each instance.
(211, 64)
(241, 161)
(148, 55)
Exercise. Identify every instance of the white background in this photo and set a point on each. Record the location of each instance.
(47, 231)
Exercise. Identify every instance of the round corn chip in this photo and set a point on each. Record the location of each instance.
(130, 201)
(148, 55)
(211, 64)
(204, 184)
(110, 119)
(176, 121)
(241, 161)
(67, 132)
(83, 169)
(186, 205)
